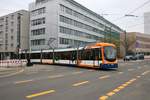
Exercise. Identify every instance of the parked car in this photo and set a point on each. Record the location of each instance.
(140, 56)
(133, 57)
(127, 58)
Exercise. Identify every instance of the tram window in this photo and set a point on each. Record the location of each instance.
(87, 54)
(97, 54)
(73, 55)
(91, 54)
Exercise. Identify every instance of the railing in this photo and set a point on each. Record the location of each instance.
(13, 63)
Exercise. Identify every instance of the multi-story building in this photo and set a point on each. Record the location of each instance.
(14, 33)
(135, 43)
(147, 23)
(66, 23)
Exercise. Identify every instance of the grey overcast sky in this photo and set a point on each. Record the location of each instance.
(112, 10)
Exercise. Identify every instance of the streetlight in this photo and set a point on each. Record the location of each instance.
(127, 15)
(125, 42)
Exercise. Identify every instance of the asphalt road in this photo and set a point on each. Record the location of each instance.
(131, 81)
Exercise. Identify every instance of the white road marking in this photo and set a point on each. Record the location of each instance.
(79, 72)
(131, 69)
(12, 74)
(56, 76)
(120, 72)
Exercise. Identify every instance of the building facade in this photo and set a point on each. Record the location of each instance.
(147, 23)
(66, 23)
(135, 43)
(14, 33)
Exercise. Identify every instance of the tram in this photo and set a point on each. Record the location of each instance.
(96, 55)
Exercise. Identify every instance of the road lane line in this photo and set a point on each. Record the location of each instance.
(29, 73)
(125, 85)
(130, 69)
(104, 77)
(128, 83)
(132, 80)
(40, 94)
(25, 81)
(1, 73)
(79, 72)
(119, 88)
(120, 72)
(110, 93)
(146, 72)
(55, 76)
(80, 83)
(91, 70)
(12, 74)
(103, 98)
(116, 90)
(138, 76)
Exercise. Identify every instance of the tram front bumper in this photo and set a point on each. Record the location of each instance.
(108, 66)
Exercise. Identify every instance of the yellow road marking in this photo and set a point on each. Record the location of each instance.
(128, 83)
(124, 85)
(121, 87)
(81, 83)
(103, 98)
(40, 94)
(110, 93)
(104, 77)
(116, 90)
(21, 82)
(56, 76)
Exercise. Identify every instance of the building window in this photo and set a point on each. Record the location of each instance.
(38, 42)
(41, 1)
(38, 11)
(12, 17)
(80, 16)
(63, 41)
(12, 31)
(1, 20)
(12, 24)
(65, 30)
(79, 24)
(12, 45)
(38, 31)
(1, 32)
(62, 8)
(1, 27)
(12, 37)
(6, 35)
(38, 21)
(6, 47)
